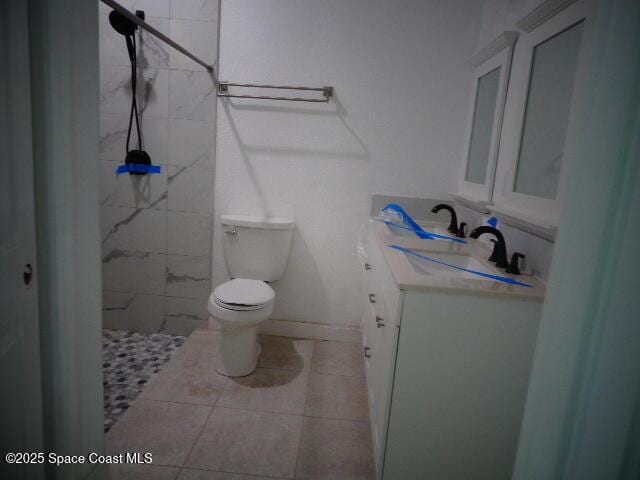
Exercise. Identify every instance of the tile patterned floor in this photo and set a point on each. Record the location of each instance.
(129, 360)
(302, 414)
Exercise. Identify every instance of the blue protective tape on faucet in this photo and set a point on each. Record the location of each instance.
(431, 236)
(137, 168)
(413, 226)
(409, 221)
(499, 278)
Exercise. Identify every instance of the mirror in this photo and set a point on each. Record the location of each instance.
(482, 126)
(492, 64)
(547, 110)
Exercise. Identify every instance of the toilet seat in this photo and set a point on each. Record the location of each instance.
(243, 294)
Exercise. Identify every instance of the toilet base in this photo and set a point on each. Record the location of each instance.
(239, 351)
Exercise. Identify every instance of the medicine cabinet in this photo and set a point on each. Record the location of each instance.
(490, 78)
(523, 115)
(540, 116)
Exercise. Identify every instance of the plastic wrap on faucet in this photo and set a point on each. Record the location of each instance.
(397, 219)
(400, 221)
(389, 215)
(362, 247)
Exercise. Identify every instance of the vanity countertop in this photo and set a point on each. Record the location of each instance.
(407, 278)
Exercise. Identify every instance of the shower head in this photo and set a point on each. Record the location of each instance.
(126, 27)
(121, 24)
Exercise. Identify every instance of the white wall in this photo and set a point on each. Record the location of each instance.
(396, 126)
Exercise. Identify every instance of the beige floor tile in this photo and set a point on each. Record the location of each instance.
(267, 390)
(335, 450)
(339, 358)
(190, 474)
(133, 472)
(285, 352)
(201, 343)
(204, 335)
(187, 381)
(166, 430)
(242, 441)
(335, 396)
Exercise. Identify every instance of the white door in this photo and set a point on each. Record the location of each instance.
(20, 396)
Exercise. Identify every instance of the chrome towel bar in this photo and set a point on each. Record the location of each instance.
(223, 91)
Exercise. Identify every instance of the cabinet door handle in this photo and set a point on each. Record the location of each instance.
(366, 352)
(379, 321)
(372, 298)
(367, 266)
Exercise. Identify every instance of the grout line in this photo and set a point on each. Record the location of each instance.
(193, 445)
(224, 385)
(178, 473)
(295, 468)
(281, 369)
(302, 427)
(244, 409)
(175, 402)
(203, 469)
(304, 409)
(260, 411)
(353, 420)
(337, 374)
(156, 464)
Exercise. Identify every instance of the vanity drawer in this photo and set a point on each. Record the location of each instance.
(377, 357)
(381, 313)
(380, 281)
(380, 340)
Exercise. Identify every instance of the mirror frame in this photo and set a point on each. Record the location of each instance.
(497, 54)
(537, 210)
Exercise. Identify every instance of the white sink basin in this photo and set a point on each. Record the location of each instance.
(400, 232)
(438, 229)
(429, 228)
(423, 266)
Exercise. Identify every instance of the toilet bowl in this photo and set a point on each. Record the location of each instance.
(240, 305)
(256, 251)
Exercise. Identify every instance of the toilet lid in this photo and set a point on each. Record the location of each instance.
(244, 292)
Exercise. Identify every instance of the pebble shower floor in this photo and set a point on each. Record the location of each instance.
(129, 360)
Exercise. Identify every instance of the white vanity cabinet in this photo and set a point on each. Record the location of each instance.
(447, 375)
(379, 328)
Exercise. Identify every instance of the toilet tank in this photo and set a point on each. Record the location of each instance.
(256, 247)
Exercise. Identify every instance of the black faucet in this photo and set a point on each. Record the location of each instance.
(513, 267)
(499, 254)
(461, 233)
(453, 225)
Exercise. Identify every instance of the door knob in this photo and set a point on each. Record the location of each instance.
(27, 274)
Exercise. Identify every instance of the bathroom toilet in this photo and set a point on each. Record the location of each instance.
(256, 251)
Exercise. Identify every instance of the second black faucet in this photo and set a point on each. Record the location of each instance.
(499, 254)
(453, 224)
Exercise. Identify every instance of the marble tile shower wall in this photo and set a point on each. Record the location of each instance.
(156, 229)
